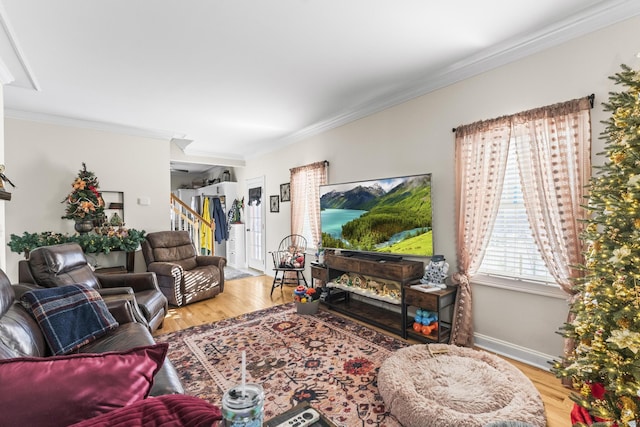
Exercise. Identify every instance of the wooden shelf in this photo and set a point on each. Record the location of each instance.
(441, 302)
(371, 309)
(320, 273)
(377, 316)
(443, 335)
(5, 195)
(114, 204)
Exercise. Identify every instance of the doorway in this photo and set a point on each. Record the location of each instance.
(255, 223)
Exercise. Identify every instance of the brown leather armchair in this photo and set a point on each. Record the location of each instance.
(183, 275)
(59, 265)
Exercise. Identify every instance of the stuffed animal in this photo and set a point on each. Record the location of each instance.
(436, 271)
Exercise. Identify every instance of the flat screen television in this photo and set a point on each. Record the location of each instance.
(390, 216)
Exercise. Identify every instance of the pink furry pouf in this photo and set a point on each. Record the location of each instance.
(439, 385)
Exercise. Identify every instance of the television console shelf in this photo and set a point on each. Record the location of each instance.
(441, 302)
(379, 285)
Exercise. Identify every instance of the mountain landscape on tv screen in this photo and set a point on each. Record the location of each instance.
(386, 215)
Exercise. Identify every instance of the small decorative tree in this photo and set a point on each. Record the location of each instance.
(605, 364)
(84, 203)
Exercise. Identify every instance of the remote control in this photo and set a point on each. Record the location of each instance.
(303, 419)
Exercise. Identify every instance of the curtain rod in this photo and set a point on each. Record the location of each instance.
(591, 99)
(325, 163)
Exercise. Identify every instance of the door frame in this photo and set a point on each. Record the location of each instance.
(254, 183)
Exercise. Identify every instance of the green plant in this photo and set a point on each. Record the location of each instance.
(30, 241)
(126, 240)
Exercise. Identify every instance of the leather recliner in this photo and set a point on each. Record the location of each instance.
(183, 275)
(65, 264)
(20, 335)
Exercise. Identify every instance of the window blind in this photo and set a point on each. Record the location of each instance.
(512, 251)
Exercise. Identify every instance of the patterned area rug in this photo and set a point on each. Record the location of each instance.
(324, 359)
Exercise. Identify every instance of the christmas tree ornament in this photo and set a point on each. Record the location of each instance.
(84, 203)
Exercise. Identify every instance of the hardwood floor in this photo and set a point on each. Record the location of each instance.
(252, 293)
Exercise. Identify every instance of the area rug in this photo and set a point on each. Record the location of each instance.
(231, 273)
(323, 359)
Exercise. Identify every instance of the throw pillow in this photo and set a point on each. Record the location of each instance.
(162, 411)
(69, 316)
(62, 390)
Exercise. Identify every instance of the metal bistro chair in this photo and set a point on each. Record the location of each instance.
(288, 260)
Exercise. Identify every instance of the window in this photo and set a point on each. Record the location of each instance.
(512, 252)
(305, 200)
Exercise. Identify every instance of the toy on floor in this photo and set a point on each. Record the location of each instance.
(425, 322)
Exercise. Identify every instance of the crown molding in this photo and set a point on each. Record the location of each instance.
(585, 22)
(88, 124)
(13, 55)
(202, 153)
(6, 77)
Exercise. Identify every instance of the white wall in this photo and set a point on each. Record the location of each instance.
(44, 159)
(416, 137)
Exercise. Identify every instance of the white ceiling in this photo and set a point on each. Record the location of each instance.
(242, 77)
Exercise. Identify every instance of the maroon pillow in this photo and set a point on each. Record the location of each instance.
(62, 390)
(163, 411)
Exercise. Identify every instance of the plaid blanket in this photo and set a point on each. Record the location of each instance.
(69, 316)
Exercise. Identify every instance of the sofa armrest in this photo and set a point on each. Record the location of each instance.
(165, 269)
(20, 288)
(218, 261)
(137, 281)
(24, 272)
(124, 294)
(121, 310)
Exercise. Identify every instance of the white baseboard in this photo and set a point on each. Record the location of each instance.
(514, 351)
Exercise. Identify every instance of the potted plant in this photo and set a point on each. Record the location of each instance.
(84, 203)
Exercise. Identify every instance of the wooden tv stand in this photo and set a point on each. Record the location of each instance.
(368, 307)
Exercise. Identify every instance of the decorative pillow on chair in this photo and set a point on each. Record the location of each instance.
(62, 390)
(70, 316)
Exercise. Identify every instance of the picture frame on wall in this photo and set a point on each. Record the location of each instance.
(274, 203)
(285, 192)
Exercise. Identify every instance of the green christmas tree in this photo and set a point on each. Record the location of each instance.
(84, 202)
(605, 365)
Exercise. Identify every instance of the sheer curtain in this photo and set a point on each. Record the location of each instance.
(553, 151)
(553, 146)
(305, 198)
(481, 161)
